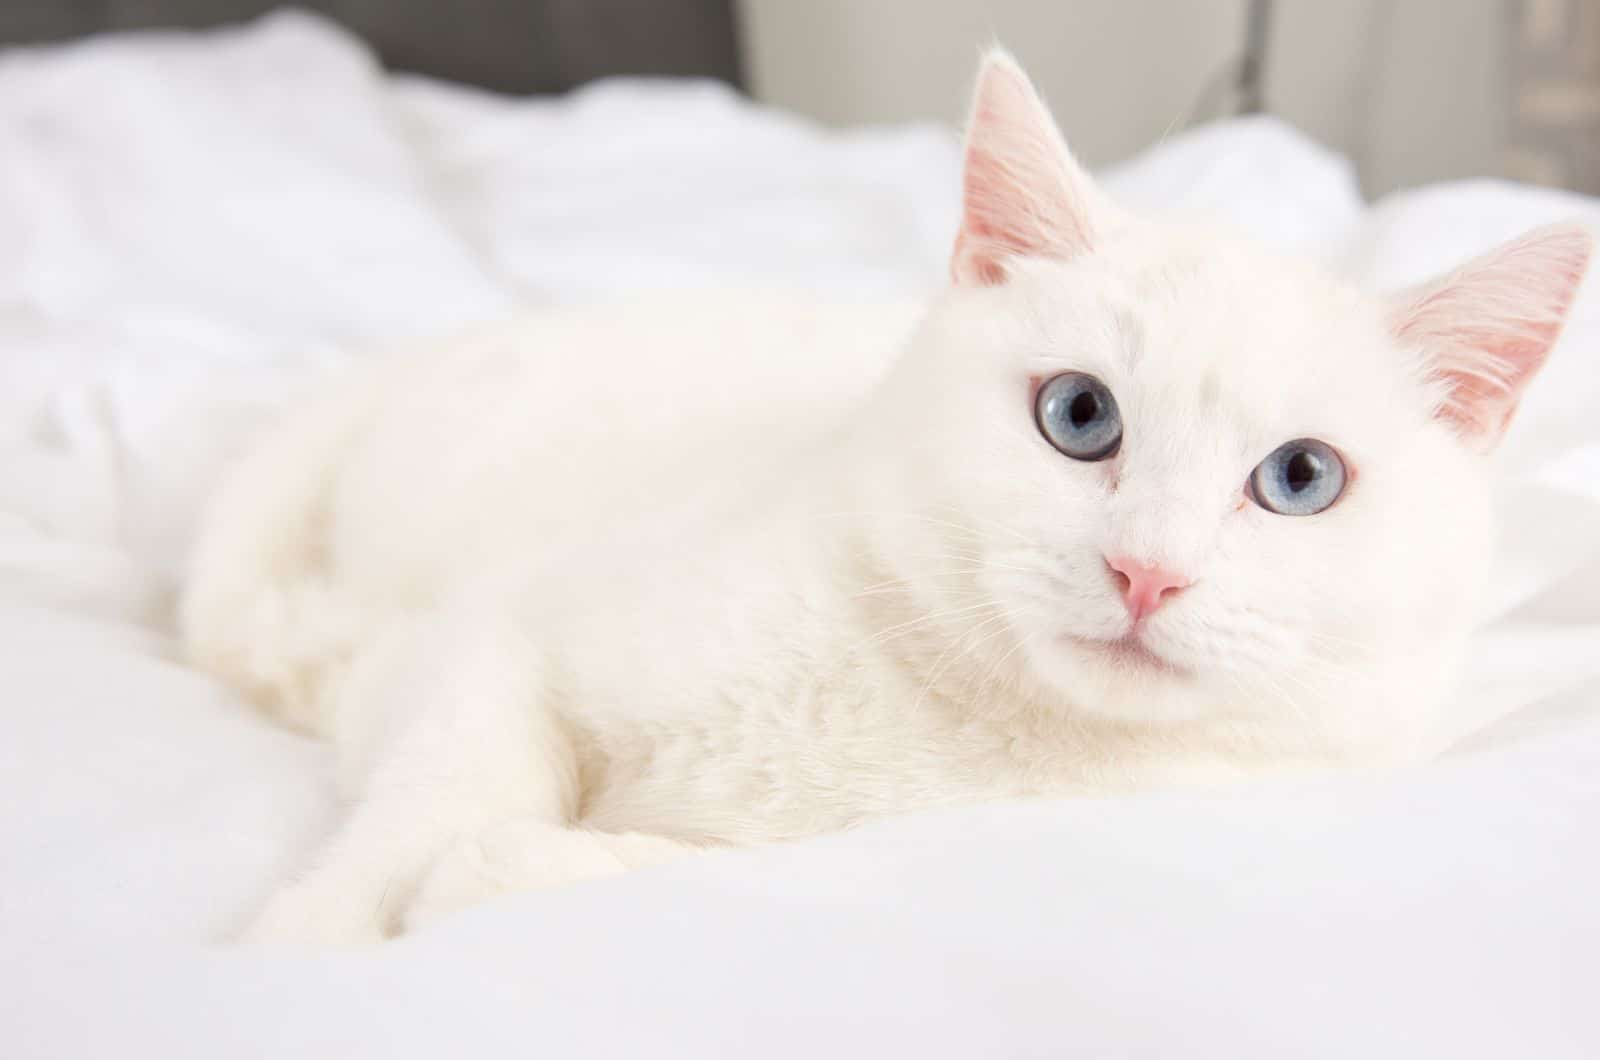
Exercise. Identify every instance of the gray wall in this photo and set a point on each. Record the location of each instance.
(509, 45)
(1412, 90)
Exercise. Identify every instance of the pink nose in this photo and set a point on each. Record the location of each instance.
(1143, 586)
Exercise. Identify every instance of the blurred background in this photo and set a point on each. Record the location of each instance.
(1412, 91)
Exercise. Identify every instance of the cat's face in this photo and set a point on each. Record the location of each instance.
(1164, 476)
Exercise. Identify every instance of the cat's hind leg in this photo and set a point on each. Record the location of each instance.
(261, 609)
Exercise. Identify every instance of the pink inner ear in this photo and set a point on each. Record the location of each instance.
(1487, 328)
(990, 232)
(1022, 194)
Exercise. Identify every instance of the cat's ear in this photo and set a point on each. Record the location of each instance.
(1023, 194)
(1487, 327)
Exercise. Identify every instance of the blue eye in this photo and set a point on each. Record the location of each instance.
(1302, 477)
(1078, 415)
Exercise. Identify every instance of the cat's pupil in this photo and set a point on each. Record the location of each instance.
(1084, 408)
(1301, 471)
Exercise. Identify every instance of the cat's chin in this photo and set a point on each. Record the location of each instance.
(1120, 680)
(1129, 654)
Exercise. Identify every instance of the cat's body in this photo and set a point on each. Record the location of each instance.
(574, 594)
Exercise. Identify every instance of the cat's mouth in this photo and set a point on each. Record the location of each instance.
(1130, 652)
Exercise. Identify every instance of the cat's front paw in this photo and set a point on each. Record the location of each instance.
(528, 855)
(311, 915)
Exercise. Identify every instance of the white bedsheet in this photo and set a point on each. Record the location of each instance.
(191, 228)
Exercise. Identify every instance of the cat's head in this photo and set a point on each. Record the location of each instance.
(1159, 474)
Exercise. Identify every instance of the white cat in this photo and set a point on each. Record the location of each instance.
(1127, 505)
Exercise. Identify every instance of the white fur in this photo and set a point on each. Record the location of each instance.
(577, 594)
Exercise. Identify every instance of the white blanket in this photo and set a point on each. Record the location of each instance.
(193, 227)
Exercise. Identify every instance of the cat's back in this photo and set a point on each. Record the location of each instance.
(531, 436)
(563, 439)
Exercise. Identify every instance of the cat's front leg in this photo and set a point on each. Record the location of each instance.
(528, 854)
(446, 728)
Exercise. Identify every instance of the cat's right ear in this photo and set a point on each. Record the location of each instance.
(1486, 328)
(1023, 194)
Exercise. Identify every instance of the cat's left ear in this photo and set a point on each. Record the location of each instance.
(1487, 327)
(1023, 194)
